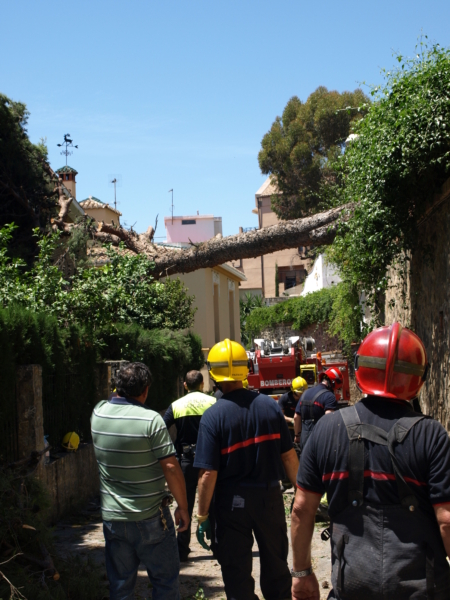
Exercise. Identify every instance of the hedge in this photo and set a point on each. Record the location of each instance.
(68, 357)
(315, 307)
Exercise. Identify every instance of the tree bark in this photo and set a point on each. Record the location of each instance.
(320, 229)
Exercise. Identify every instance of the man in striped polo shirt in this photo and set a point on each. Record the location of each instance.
(135, 456)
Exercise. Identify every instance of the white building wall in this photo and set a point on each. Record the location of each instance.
(323, 275)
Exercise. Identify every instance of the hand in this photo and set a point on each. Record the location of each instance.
(305, 588)
(204, 530)
(181, 519)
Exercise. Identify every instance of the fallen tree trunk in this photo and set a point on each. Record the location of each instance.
(317, 230)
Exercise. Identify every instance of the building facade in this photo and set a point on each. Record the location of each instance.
(292, 264)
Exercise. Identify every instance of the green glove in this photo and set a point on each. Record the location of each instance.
(204, 530)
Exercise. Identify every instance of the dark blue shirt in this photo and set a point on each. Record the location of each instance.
(424, 458)
(326, 401)
(242, 437)
(288, 403)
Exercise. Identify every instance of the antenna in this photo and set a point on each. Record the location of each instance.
(68, 143)
(116, 181)
(172, 204)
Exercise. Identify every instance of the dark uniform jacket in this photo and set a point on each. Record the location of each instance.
(399, 539)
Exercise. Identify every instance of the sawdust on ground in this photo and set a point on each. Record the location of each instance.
(82, 534)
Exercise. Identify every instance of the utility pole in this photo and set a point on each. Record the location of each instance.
(68, 143)
(172, 204)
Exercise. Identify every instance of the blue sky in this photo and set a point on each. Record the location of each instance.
(178, 94)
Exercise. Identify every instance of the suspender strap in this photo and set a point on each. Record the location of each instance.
(396, 435)
(357, 432)
(355, 455)
(310, 404)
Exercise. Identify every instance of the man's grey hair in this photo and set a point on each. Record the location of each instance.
(132, 379)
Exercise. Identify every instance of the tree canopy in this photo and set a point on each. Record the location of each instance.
(26, 190)
(123, 290)
(393, 168)
(303, 143)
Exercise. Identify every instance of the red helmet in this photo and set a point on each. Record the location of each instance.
(391, 362)
(335, 376)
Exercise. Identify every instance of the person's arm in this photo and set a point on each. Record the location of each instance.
(290, 463)
(175, 481)
(206, 484)
(297, 424)
(442, 513)
(327, 412)
(302, 529)
(169, 418)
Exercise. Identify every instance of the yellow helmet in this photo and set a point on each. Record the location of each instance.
(71, 441)
(299, 385)
(227, 361)
(245, 383)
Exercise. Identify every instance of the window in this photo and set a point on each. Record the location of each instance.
(188, 221)
(290, 282)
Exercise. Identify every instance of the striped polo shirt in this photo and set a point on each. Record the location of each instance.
(129, 441)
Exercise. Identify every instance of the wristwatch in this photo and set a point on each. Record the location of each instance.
(304, 573)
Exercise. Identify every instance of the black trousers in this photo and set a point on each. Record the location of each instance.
(240, 515)
(191, 478)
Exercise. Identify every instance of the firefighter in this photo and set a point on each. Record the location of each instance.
(315, 403)
(386, 470)
(185, 413)
(288, 402)
(243, 445)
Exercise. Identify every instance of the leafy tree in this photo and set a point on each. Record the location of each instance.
(301, 145)
(247, 305)
(121, 291)
(26, 191)
(392, 170)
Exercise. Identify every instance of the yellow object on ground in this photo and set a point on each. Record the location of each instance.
(71, 441)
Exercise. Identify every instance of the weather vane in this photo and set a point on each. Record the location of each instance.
(68, 143)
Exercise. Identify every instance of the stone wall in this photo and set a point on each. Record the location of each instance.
(422, 301)
(71, 479)
(324, 341)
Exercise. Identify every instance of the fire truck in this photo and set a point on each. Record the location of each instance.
(273, 365)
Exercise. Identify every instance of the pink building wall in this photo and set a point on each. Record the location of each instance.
(204, 228)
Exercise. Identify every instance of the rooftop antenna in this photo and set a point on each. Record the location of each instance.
(116, 181)
(172, 204)
(68, 143)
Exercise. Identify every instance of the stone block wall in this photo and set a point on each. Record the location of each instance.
(324, 341)
(71, 480)
(421, 300)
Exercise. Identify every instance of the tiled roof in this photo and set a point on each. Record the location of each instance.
(268, 188)
(93, 202)
(67, 169)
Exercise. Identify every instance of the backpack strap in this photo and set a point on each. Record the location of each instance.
(310, 403)
(396, 435)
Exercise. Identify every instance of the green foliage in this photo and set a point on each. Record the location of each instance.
(301, 312)
(168, 354)
(26, 192)
(247, 305)
(331, 305)
(301, 144)
(399, 160)
(121, 291)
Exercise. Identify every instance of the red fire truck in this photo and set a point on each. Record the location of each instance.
(274, 365)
